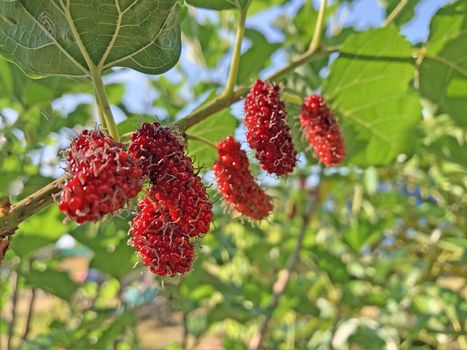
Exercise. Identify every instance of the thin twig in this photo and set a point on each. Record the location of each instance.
(31, 305)
(14, 302)
(185, 331)
(393, 15)
(283, 278)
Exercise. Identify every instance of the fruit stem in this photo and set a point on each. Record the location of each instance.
(104, 105)
(232, 79)
(316, 41)
(201, 139)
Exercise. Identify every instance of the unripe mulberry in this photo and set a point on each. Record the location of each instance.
(177, 188)
(322, 131)
(236, 184)
(104, 178)
(268, 132)
(160, 243)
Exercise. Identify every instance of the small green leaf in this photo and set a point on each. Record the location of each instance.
(256, 57)
(331, 264)
(39, 231)
(55, 282)
(104, 260)
(368, 338)
(132, 123)
(213, 129)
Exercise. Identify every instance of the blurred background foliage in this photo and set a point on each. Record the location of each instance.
(383, 260)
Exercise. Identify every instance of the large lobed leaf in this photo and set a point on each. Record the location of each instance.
(443, 71)
(368, 87)
(44, 36)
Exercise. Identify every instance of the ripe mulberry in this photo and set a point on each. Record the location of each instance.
(268, 132)
(236, 183)
(104, 178)
(322, 131)
(83, 148)
(161, 244)
(177, 188)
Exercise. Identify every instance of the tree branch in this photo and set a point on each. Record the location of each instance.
(28, 206)
(283, 277)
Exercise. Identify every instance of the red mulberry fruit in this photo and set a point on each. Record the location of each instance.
(177, 188)
(322, 131)
(268, 132)
(236, 183)
(83, 148)
(160, 243)
(104, 178)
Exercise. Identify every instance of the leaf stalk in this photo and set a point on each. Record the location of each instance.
(232, 78)
(316, 41)
(104, 104)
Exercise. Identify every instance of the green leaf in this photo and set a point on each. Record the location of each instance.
(368, 87)
(32, 92)
(367, 337)
(207, 46)
(49, 37)
(443, 71)
(55, 282)
(213, 130)
(229, 309)
(37, 232)
(132, 123)
(104, 260)
(116, 329)
(256, 57)
(214, 4)
(331, 264)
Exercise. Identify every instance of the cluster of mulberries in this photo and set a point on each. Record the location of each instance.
(177, 188)
(267, 130)
(176, 208)
(322, 131)
(236, 184)
(161, 244)
(103, 178)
